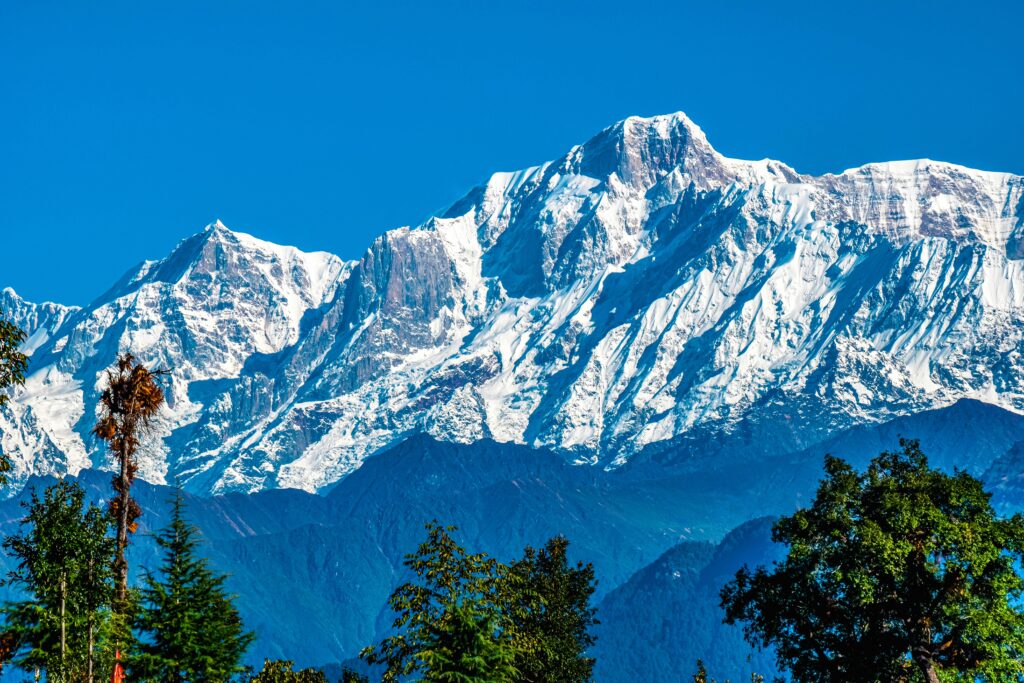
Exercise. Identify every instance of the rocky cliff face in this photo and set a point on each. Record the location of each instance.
(637, 290)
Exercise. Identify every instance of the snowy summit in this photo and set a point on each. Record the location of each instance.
(638, 290)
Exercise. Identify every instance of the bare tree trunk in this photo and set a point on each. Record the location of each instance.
(91, 641)
(120, 562)
(92, 623)
(63, 625)
(924, 663)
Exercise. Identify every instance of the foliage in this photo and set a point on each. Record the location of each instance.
(189, 627)
(63, 555)
(352, 676)
(447, 576)
(127, 406)
(461, 647)
(897, 567)
(13, 364)
(467, 617)
(555, 614)
(281, 671)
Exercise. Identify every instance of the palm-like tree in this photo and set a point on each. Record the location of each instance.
(128, 404)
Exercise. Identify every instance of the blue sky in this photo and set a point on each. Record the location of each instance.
(127, 126)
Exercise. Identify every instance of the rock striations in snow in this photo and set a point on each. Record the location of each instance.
(637, 290)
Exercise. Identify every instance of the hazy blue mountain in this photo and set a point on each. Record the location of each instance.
(666, 617)
(313, 572)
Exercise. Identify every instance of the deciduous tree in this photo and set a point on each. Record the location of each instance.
(446, 579)
(13, 364)
(63, 554)
(554, 613)
(897, 568)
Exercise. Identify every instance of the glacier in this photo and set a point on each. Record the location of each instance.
(640, 293)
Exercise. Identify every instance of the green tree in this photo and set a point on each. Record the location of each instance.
(462, 647)
(447, 577)
(63, 555)
(898, 568)
(13, 364)
(189, 628)
(349, 675)
(127, 406)
(555, 614)
(282, 671)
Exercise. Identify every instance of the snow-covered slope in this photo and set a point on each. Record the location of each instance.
(638, 289)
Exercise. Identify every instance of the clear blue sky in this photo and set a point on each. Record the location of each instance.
(126, 126)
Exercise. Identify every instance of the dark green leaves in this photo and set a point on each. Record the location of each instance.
(896, 569)
(189, 628)
(466, 617)
(13, 363)
(64, 558)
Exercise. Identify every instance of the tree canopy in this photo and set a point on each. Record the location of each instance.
(13, 364)
(897, 573)
(189, 628)
(64, 555)
(556, 614)
(283, 671)
(466, 617)
(127, 406)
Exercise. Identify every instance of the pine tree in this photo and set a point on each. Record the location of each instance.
(462, 647)
(64, 567)
(128, 404)
(189, 628)
(554, 614)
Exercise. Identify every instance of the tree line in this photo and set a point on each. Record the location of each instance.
(899, 572)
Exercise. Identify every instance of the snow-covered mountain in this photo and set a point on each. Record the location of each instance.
(637, 290)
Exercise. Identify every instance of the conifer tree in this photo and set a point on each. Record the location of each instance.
(128, 404)
(555, 614)
(461, 647)
(64, 555)
(190, 630)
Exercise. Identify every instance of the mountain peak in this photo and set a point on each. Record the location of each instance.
(217, 226)
(640, 151)
(641, 291)
(664, 125)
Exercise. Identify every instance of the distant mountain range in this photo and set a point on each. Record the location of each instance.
(606, 303)
(643, 345)
(599, 305)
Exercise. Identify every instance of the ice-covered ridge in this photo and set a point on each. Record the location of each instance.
(637, 290)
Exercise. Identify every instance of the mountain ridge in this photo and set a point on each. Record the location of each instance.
(636, 289)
